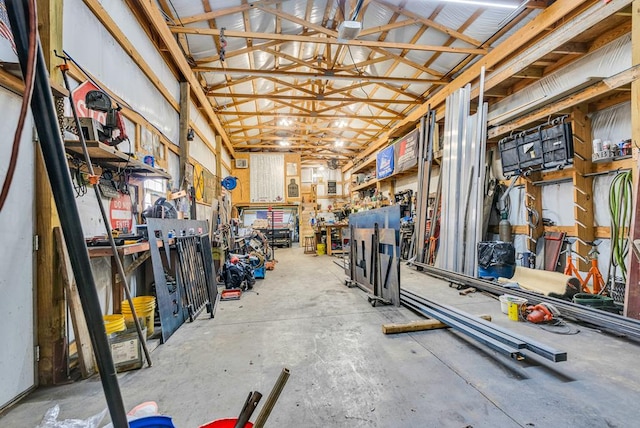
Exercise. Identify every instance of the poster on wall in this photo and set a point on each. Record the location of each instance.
(406, 152)
(293, 187)
(384, 162)
(332, 187)
(267, 177)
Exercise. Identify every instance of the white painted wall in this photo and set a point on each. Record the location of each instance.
(17, 262)
(91, 45)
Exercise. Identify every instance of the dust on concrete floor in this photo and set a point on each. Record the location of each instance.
(346, 373)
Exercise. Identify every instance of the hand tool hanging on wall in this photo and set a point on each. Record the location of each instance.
(23, 21)
(64, 68)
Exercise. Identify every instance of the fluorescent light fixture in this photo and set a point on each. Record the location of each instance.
(284, 143)
(486, 3)
(349, 30)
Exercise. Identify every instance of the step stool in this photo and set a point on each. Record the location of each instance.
(310, 244)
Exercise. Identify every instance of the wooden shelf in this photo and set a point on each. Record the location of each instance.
(368, 184)
(373, 182)
(112, 158)
(371, 161)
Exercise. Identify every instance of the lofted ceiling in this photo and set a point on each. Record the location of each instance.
(279, 77)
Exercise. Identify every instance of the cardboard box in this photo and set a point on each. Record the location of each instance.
(126, 349)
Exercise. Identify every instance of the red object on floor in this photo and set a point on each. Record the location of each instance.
(233, 294)
(225, 423)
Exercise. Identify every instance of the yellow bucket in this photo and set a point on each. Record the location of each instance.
(145, 309)
(114, 323)
(321, 249)
(514, 305)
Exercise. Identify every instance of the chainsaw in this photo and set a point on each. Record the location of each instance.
(542, 313)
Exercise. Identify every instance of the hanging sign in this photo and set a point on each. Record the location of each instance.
(78, 95)
(120, 213)
(406, 152)
(384, 162)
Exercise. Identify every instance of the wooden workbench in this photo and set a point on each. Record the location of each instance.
(140, 248)
(329, 228)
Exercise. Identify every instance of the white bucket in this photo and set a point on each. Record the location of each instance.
(504, 303)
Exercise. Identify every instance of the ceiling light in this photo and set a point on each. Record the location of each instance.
(284, 143)
(349, 30)
(285, 122)
(485, 3)
(339, 143)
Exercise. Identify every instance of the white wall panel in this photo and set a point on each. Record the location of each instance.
(200, 152)
(406, 183)
(613, 124)
(201, 123)
(91, 45)
(120, 12)
(174, 169)
(554, 203)
(17, 368)
(604, 62)
(226, 157)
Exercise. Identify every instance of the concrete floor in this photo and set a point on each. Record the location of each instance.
(346, 373)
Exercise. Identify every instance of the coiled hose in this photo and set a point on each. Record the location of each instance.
(620, 193)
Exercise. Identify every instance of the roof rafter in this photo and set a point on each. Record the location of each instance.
(334, 41)
(328, 75)
(226, 11)
(318, 97)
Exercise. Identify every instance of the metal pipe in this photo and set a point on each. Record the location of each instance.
(248, 409)
(356, 10)
(481, 163)
(421, 209)
(272, 398)
(475, 334)
(105, 220)
(468, 321)
(55, 160)
(605, 320)
(493, 330)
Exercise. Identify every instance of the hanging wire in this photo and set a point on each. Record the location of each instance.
(620, 194)
(26, 101)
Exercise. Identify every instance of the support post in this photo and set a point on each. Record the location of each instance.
(632, 290)
(582, 184)
(51, 319)
(185, 100)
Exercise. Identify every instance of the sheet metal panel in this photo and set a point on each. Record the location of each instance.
(362, 257)
(172, 300)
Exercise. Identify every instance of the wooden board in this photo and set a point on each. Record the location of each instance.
(421, 325)
(110, 157)
(86, 357)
